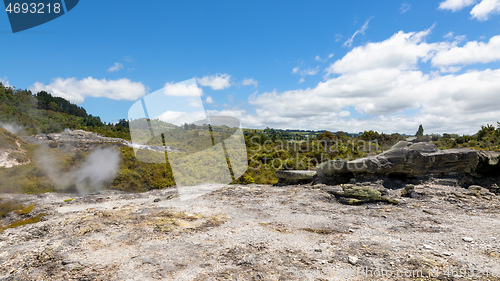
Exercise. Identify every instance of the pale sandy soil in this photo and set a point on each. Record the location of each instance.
(254, 232)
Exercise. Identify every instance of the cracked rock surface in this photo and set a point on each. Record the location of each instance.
(253, 232)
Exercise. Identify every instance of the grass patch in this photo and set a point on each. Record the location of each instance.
(318, 231)
(15, 224)
(9, 206)
(25, 210)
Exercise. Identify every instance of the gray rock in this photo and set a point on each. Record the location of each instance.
(401, 144)
(424, 147)
(416, 160)
(295, 176)
(353, 260)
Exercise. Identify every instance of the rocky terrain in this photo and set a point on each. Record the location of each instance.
(72, 140)
(436, 231)
(412, 213)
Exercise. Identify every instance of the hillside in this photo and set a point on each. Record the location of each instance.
(13, 150)
(268, 150)
(32, 113)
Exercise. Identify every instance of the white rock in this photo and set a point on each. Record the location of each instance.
(427, 247)
(468, 239)
(353, 260)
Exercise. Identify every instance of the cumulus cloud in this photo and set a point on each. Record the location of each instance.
(456, 5)
(359, 31)
(472, 52)
(401, 51)
(182, 90)
(76, 90)
(383, 84)
(483, 10)
(216, 82)
(179, 117)
(249, 82)
(116, 67)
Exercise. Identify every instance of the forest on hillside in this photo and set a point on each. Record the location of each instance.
(268, 149)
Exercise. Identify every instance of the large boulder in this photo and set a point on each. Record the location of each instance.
(413, 160)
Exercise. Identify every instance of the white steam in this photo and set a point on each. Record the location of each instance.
(98, 169)
(11, 127)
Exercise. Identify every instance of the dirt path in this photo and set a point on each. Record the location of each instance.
(255, 232)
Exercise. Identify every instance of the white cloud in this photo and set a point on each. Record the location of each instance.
(441, 103)
(77, 90)
(234, 112)
(5, 82)
(383, 83)
(483, 10)
(449, 35)
(472, 52)
(182, 90)
(405, 7)
(401, 51)
(249, 82)
(209, 100)
(305, 72)
(179, 118)
(318, 58)
(359, 31)
(116, 67)
(456, 5)
(216, 82)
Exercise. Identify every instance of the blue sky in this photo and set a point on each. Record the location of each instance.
(350, 65)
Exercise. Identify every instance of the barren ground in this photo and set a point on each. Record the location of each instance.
(255, 232)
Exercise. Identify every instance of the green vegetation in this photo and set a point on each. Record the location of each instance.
(268, 150)
(10, 141)
(9, 206)
(487, 138)
(25, 210)
(18, 208)
(44, 113)
(22, 222)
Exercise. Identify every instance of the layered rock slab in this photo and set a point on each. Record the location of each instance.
(412, 161)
